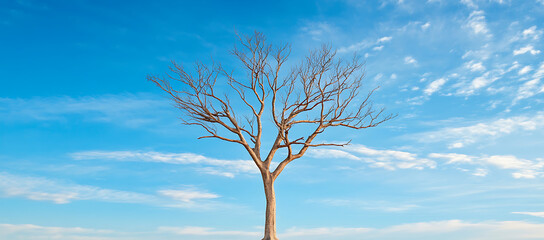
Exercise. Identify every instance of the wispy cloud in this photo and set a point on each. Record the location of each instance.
(475, 66)
(323, 232)
(388, 159)
(540, 72)
(410, 60)
(392, 160)
(525, 70)
(446, 230)
(44, 189)
(31, 231)
(477, 23)
(531, 87)
(469, 3)
(521, 168)
(458, 137)
(434, 86)
(531, 33)
(534, 214)
(528, 89)
(127, 110)
(205, 231)
(478, 83)
(426, 25)
(366, 205)
(319, 31)
(527, 49)
(384, 39)
(226, 168)
(187, 195)
(365, 44)
(453, 157)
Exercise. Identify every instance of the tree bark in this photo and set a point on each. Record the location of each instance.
(270, 222)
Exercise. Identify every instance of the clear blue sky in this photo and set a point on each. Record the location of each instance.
(91, 150)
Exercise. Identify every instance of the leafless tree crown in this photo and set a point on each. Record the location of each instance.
(322, 91)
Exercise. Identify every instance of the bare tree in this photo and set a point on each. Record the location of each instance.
(321, 92)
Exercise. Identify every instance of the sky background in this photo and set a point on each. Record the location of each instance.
(91, 150)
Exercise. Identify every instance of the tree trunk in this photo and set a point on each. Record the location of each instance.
(270, 222)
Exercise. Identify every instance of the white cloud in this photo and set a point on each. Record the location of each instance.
(528, 89)
(434, 86)
(443, 230)
(485, 130)
(522, 168)
(226, 168)
(515, 65)
(534, 214)
(410, 60)
(508, 162)
(531, 32)
(501, 1)
(376, 45)
(43, 189)
(527, 174)
(187, 195)
(189, 198)
(540, 72)
(426, 25)
(480, 172)
(388, 159)
(527, 49)
(475, 66)
(525, 70)
(384, 39)
(367, 205)
(476, 22)
(46, 230)
(297, 233)
(127, 110)
(331, 153)
(31, 231)
(356, 47)
(469, 3)
(482, 54)
(477, 83)
(456, 145)
(378, 48)
(205, 231)
(453, 157)
(319, 31)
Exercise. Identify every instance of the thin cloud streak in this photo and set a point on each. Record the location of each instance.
(127, 110)
(387, 159)
(45, 189)
(225, 168)
(444, 230)
(458, 137)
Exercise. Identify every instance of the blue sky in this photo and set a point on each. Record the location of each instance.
(91, 150)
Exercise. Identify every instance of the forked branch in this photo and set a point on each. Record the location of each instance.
(321, 92)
